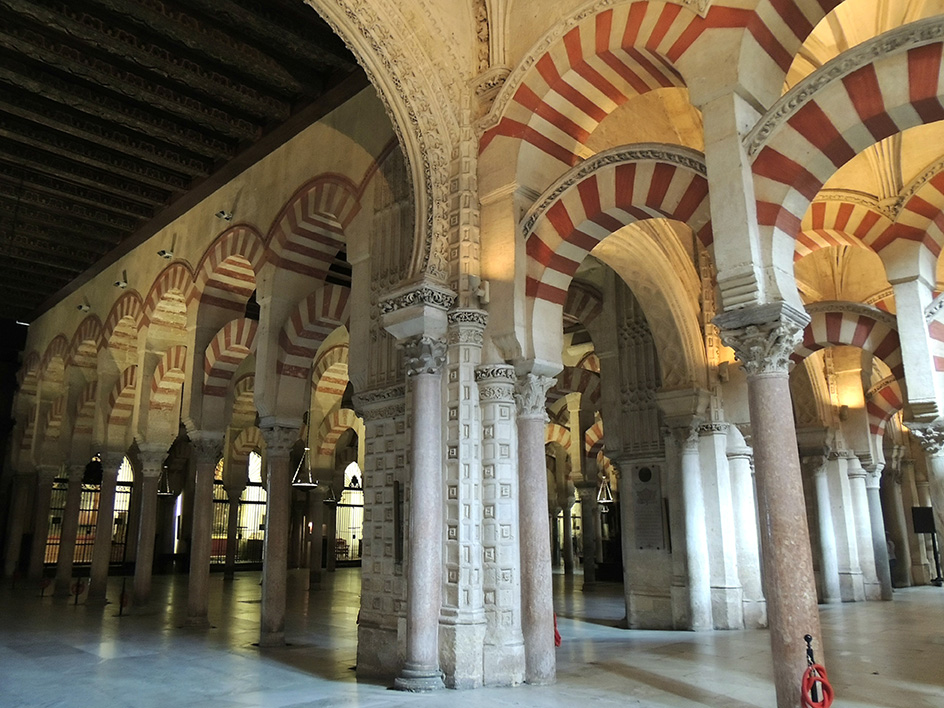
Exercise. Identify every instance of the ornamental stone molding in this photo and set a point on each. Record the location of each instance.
(531, 395)
(714, 428)
(467, 327)
(496, 382)
(423, 355)
(932, 311)
(930, 436)
(381, 404)
(425, 294)
(900, 39)
(855, 308)
(858, 198)
(686, 435)
(763, 337)
(388, 48)
(280, 437)
(207, 447)
(556, 34)
(652, 152)
(152, 457)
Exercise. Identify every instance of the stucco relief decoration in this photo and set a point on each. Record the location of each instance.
(531, 395)
(930, 437)
(914, 34)
(496, 382)
(423, 355)
(423, 295)
(467, 327)
(764, 348)
(279, 439)
(381, 404)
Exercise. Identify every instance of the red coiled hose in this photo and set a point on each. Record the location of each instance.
(817, 693)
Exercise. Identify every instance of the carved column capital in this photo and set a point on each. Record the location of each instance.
(206, 446)
(152, 457)
(423, 355)
(764, 337)
(496, 382)
(930, 436)
(280, 437)
(531, 395)
(685, 435)
(467, 326)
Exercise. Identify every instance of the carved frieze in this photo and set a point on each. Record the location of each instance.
(425, 294)
(763, 338)
(279, 439)
(531, 395)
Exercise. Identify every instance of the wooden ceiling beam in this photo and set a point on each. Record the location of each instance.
(80, 213)
(40, 239)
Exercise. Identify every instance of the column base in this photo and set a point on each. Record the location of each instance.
(419, 680)
(198, 622)
(272, 639)
(504, 664)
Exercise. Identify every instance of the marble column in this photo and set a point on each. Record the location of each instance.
(696, 531)
(316, 513)
(19, 509)
(920, 567)
(863, 527)
(331, 530)
(104, 528)
(931, 438)
(45, 476)
(70, 529)
(537, 601)
(424, 357)
(879, 543)
(206, 450)
(763, 338)
(740, 464)
(893, 511)
(152, 461)
(829, 570)
(232, 531)
(279, 437)
(851, 583)
(567, 534)
(504, 652)
(588, 510)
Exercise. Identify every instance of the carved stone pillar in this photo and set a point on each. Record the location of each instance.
(879, 542)
(741, 466)
(280, 437)
(45, 476)
(207, 449)
(851, 583)
(537, 601)
(462, 619)
(893, 511)
(233, 493)
(104, 527)
(504, 652)
(316, 514)
(863, 526)
(17, 522)
(70, 529)
(152, 461)
(587, 491)
(829, 570)
(424, 357)
(763, 338)
(931, 438)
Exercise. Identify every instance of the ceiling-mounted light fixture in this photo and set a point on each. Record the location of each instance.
(224, 215)
(163, 484)
(84, 305)
(604, 493)
(168, 253)
(122, 282)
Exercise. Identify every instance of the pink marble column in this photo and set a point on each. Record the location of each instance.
(70, 529)
(152, 460)
(763, 339)
(537, 601)
(424, 357)
(101, 552)
(232, 529)
(45, 476)
(17, 523)
(279, 437)
(206, 448)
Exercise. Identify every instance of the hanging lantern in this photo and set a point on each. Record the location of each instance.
(604, 494)
(163, 484)
(303, 479)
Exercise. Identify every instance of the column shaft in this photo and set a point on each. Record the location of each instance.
(316, 508)
(147, 531)
(748, 544)
(232, 530)
(863, 528)
(206, 451)
(879, 543)
(827, 535)
(104, 526)
(67, 537)
(920, 570)
(45, 478)
(17, 524)
(696, 534)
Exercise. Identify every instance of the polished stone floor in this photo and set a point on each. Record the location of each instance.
(54, 653)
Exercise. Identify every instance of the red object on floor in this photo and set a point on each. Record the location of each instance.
(557, 637)
(817, 693)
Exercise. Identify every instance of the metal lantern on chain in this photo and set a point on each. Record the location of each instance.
(604, 494)
(163, 484)
(303, 479)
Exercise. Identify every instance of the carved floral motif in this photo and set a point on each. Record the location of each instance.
(423, 355)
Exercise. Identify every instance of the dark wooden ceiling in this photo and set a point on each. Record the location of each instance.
(118, 115)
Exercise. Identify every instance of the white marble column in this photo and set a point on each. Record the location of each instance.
(152, 460)
(920, 570)
(567, 535)
(504, 654)
(740, 464)
(537, 601)
(893, 511)
(863, 527)
(879, 543)
(931, 438)
(19, 509)
(206, 449)
(829, 556)
(280, 437)
(104, 527)
(763, 337)
(70, 529)
(45, 476)
(424, 357)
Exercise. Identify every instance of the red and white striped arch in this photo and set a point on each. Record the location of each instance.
(121, 402)
(89, 330)
(58, 348)
(175, 277)
(29, 373)
(882, 402)
(244, 405)
(808, 140)
(128, 305)
(554, 433)
(835, 222)
(607, 192)
(583, 304)
(842, 324)
(53, 428)
(338, 354)
(595, 67)
(234, 342)
(936, 332)
(248, 440)
(582, 381)
(311, 321)
(334, 424)
(593, 439)
(309, 232)
(168, 379)
(226, 275)
(921, 217)
(778, 28)
(85, 410)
